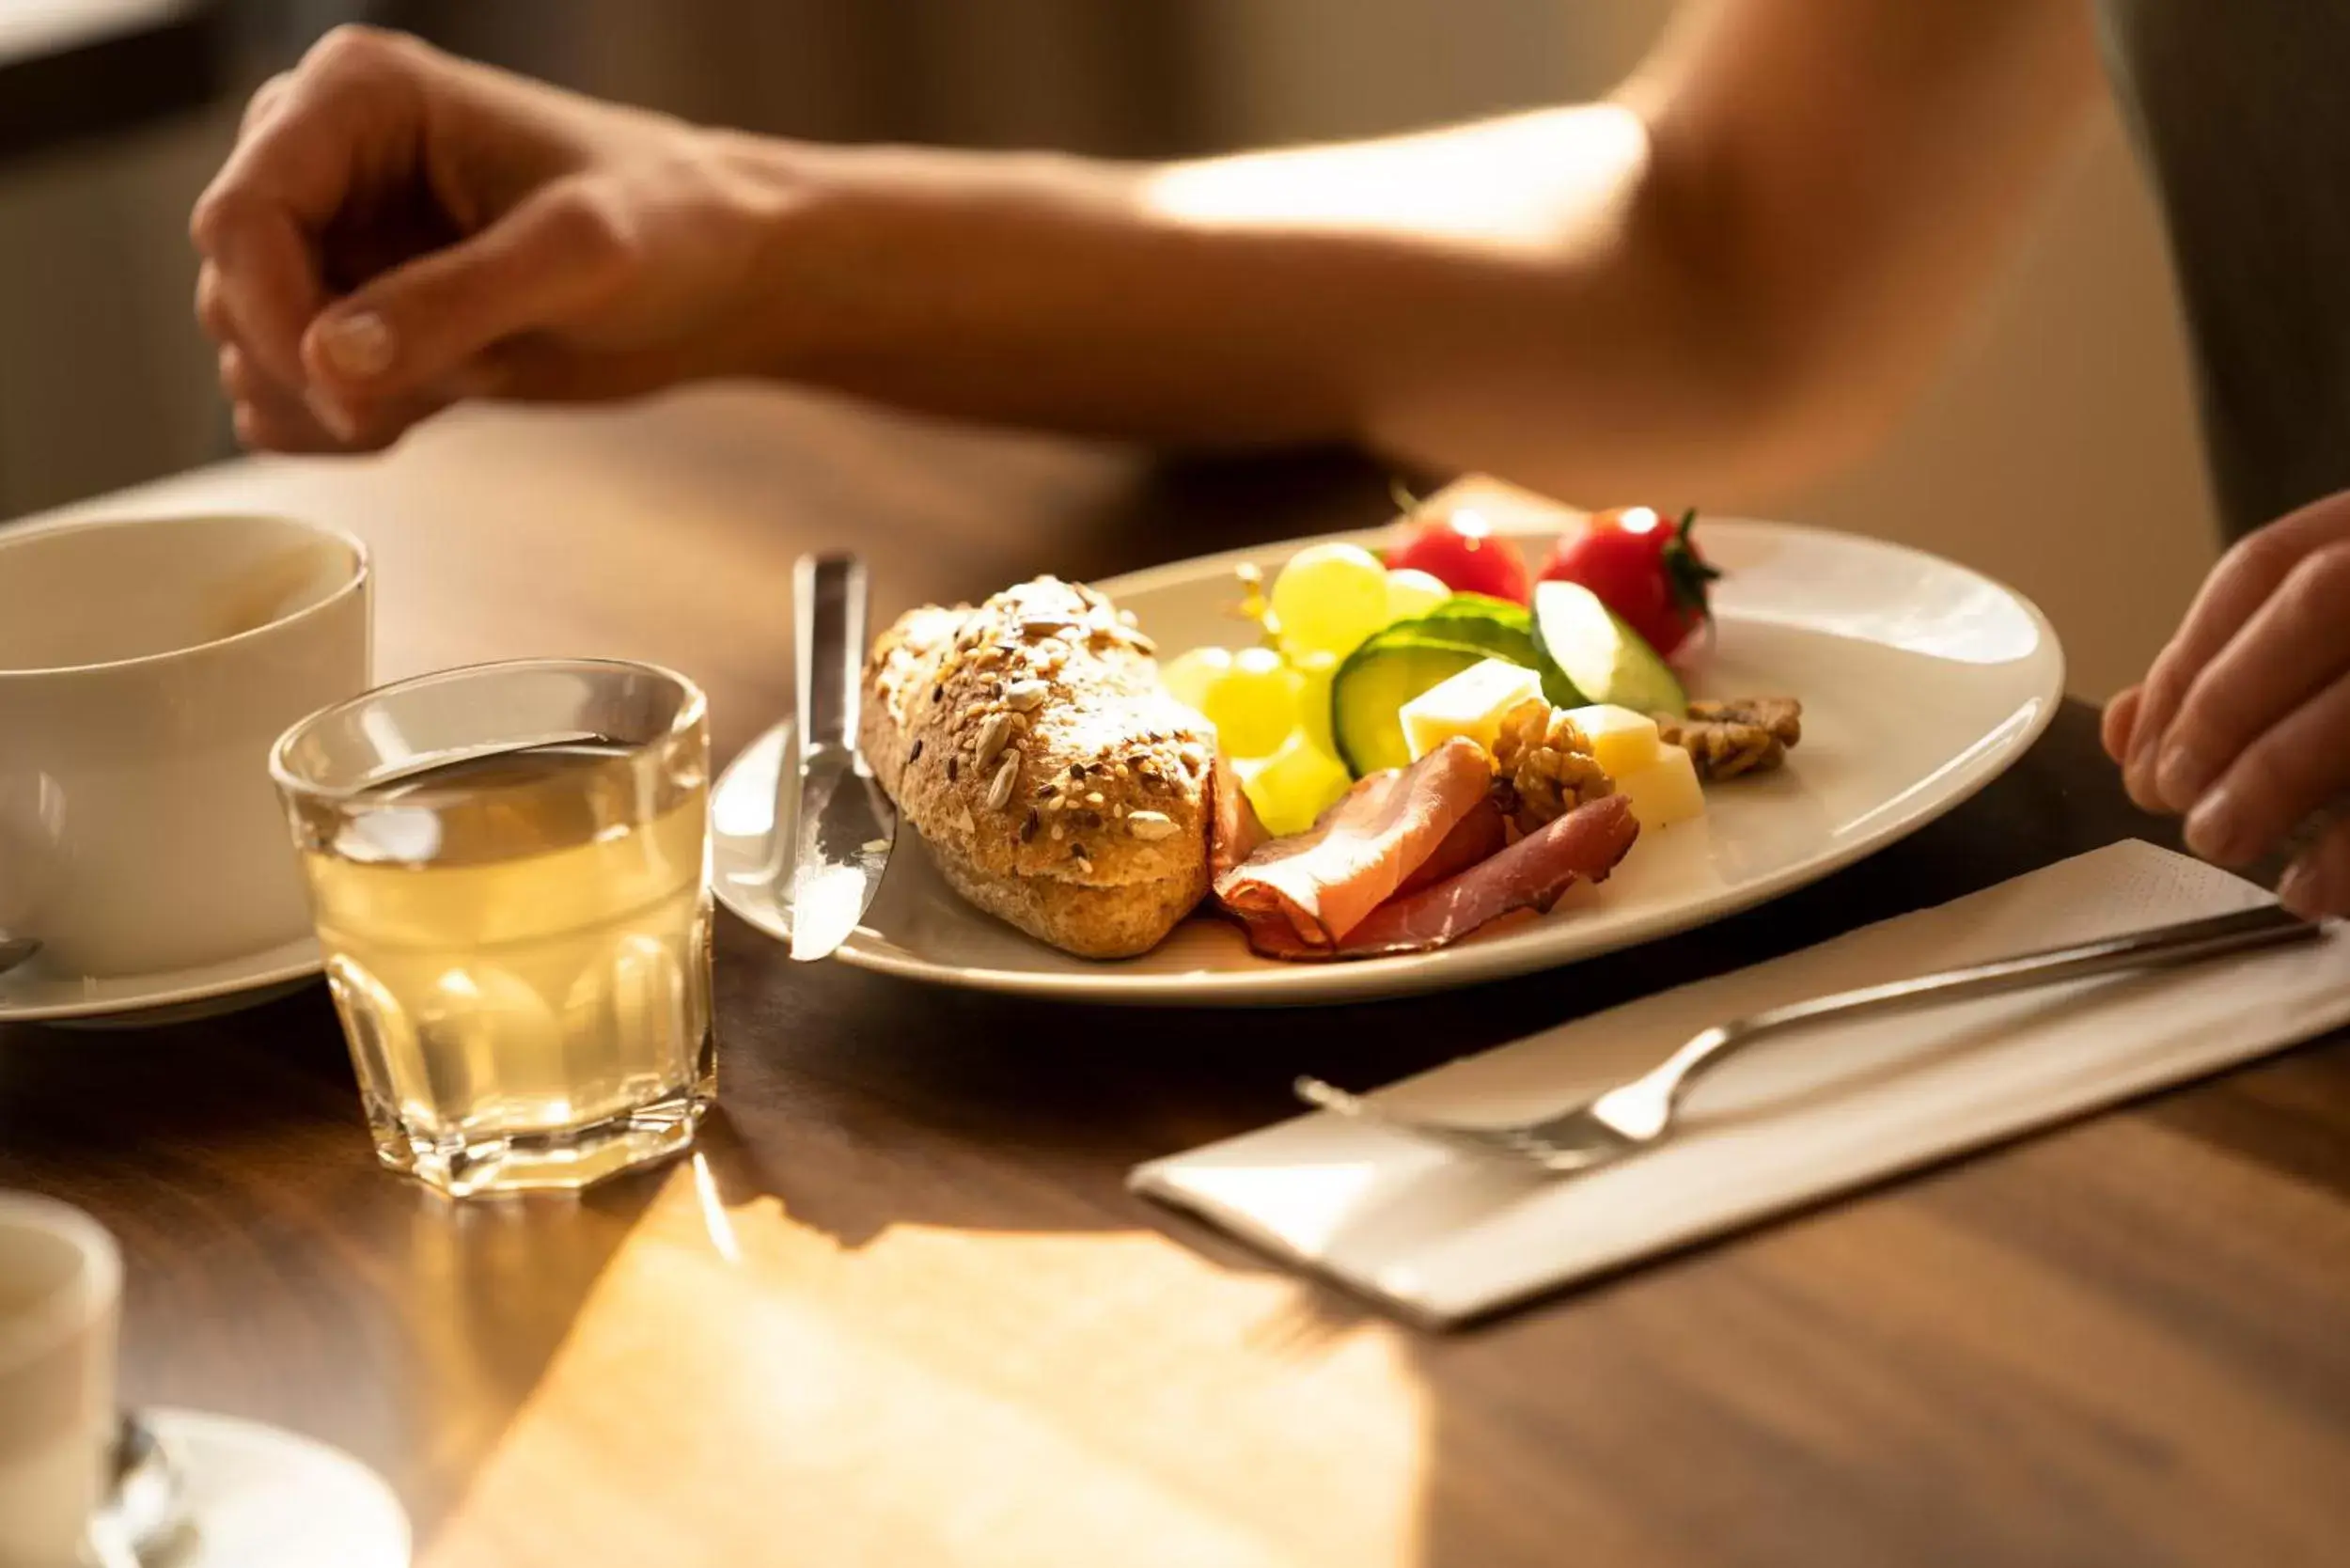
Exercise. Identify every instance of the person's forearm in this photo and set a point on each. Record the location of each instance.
(1470, 298)
(1738, 283)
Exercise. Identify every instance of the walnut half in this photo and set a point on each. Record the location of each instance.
(1544, 767)
(1751, 734)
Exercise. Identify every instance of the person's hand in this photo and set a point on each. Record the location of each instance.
(2242, 723)
(396, 228)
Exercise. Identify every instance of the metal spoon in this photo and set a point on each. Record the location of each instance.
(146, 1510)
(15, 950)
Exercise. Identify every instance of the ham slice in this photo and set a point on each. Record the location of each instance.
(1533, 873)
(1476, 837)
(1316, 887)
(1233, 831)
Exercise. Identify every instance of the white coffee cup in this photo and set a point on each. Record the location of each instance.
(60, 1307)
(147, 666)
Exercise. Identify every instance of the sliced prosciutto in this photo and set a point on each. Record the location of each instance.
(1476, 837)
(1582, 846)
(1315, 888)
(1234, 833)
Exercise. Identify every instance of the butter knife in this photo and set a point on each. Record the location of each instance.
(844, 827)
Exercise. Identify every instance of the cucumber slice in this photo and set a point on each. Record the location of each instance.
(1371, 686)
(1588, 654)
(1396, 664)
(1503, 629)
(1485, 607)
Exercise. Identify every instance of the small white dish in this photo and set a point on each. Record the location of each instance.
(31, 994)
(1922, 681)
(257, 1497)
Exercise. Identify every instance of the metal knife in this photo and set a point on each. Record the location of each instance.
(843, 827)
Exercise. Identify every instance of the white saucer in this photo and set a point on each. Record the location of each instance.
(257, 1496)
(30, 993)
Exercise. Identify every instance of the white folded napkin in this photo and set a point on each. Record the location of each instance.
(1442, 1237)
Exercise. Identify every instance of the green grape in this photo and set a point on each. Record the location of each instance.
(1328, 598)
(1313, 697)
(1413, 592)
(1188, 676)
(1293, 786)
(1253, 704)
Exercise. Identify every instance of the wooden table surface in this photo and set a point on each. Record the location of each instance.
(899, 1308)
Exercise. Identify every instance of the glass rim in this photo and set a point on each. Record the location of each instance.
(691, 712)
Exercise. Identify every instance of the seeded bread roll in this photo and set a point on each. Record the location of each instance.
(1056, 786)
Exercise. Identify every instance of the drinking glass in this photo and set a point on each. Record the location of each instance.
(507, 865)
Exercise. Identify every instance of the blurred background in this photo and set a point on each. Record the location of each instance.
(2059, 440)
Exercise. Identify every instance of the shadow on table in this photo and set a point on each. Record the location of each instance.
(263, 1241)
(2288, 1114)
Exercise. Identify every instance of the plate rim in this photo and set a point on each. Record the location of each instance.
(258, 970)
(1989, 757)
(1147, 579)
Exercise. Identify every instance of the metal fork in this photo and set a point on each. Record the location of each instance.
(1634, 1114)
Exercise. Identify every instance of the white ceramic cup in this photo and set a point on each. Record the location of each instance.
(147, 666)
(60, 1307)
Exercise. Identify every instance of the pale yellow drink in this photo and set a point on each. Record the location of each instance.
(518, 941)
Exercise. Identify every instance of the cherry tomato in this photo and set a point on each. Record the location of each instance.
(1461, 550)
(1643, 567)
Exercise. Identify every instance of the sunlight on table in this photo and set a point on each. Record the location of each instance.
(739, 1385)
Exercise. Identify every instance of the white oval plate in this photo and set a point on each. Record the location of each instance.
(1922, 681)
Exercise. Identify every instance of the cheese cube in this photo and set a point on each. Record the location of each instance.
(1664, 792)
(1470, 703)
(1622, 741)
